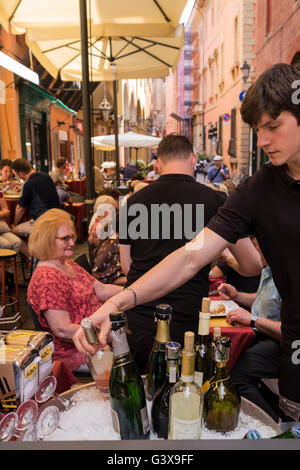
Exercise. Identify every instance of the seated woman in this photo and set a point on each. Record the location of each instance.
(7, 177)
(60, 292)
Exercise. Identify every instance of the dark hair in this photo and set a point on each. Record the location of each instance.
(271, 93)
(174, 147)
(5, 162)
(60, 162)
(21, 164)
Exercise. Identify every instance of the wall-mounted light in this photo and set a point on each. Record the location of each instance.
(19, 69)
(245, 68)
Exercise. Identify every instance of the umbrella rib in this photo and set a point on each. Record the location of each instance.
(162, 11)
(154, 43)
(140, 49)
(15, 11)
(59, 47)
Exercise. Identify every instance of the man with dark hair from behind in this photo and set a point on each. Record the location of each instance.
(38, 195)
(175, 186)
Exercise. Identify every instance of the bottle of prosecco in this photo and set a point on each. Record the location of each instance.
(127, 396)
(160, 404)
(204, 363)
(156, 365)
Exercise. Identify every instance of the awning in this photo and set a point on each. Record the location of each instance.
(50, 97)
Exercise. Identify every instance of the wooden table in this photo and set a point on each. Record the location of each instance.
(11, 204)
(77, 186)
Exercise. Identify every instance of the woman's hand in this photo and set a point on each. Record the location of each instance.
(227, 291)
(101, 321)
(239, 315)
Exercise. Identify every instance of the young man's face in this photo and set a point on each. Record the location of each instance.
(280, 138)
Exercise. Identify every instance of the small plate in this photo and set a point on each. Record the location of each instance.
(228, 304)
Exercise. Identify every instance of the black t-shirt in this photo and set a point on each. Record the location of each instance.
(268, 206)
(187, 198)
(39, 194)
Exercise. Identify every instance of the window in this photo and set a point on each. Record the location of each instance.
(268, 16)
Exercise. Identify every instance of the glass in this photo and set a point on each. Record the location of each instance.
(47, 422)
(27, 413)
(67, 238)
(8, 426)
(46, 391)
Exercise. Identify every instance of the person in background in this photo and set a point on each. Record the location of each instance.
(38, 195)
(261, 361)
(129, 170)
(7, 176)
(61, 292)
(206, 166)
(63, 194)
(218, 172)
(176, 185)
(59, 172)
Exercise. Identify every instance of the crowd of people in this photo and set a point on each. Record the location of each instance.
(247, 234)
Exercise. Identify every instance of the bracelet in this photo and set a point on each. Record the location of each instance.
(115, 303)
(134, 295)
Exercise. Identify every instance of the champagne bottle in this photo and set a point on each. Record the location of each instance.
(160, 404)
(99, 363)
(204, 363)
(127, 396)
(222, 401)
(186, 399)
(293, 433)
(156, 365)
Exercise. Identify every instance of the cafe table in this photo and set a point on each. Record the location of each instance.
(78, 210)
(77, 185)
(12, 202)
(242, 337)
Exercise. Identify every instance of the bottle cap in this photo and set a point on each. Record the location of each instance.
(163, 311)
(222, 348)
(117, 319)
(172, 350)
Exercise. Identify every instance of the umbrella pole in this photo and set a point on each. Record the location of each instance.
(90, 193)
(116, 130)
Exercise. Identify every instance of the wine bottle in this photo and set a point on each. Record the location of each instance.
(293, 433)
(160, 404)
(204, 363)
(222, 401)
(127, 395)
(186, 399)
(156, 365)
(99, 363)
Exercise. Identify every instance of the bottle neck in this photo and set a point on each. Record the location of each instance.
(188, 366)
(221, 370)
(120, 342)
(162, 331)
(203, 327)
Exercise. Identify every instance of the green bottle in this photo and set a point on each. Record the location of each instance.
(127, 396)
(160, 404)
(293, 433)
(222, 401)
(156, 365)
(252, 434)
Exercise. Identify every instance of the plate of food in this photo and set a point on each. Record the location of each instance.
(220, 308)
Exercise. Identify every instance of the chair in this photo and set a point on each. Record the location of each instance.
(36, 322)
(8, 258)
(83, 261)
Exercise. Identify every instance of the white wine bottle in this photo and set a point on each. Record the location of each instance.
(186, 399)
(126, 389)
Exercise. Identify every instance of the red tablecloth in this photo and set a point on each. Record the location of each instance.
(77, 186)
(64, 376)
(78, 210)
(12, 204)
(242, 337)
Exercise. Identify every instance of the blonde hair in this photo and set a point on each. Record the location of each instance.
(139, 185)
(42, 240)
(105, 199)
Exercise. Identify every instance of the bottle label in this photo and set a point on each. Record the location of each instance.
(145, 420)
(172, 374)
(198, 378)
(186, 429)
(121, 360)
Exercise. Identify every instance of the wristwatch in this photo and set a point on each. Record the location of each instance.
(253, 319)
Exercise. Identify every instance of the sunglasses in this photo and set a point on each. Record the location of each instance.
(67, 238)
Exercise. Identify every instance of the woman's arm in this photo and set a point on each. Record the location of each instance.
(106, 291)
(60, 324)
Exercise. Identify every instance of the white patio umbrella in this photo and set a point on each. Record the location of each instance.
(128, 139)
(142, 38)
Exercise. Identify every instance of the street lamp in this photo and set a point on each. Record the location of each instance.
(245, 68)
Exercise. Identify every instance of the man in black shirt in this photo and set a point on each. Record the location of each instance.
(173, 206)
(38, 195)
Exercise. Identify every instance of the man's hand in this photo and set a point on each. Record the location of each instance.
(239, 315)
(227, 291)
